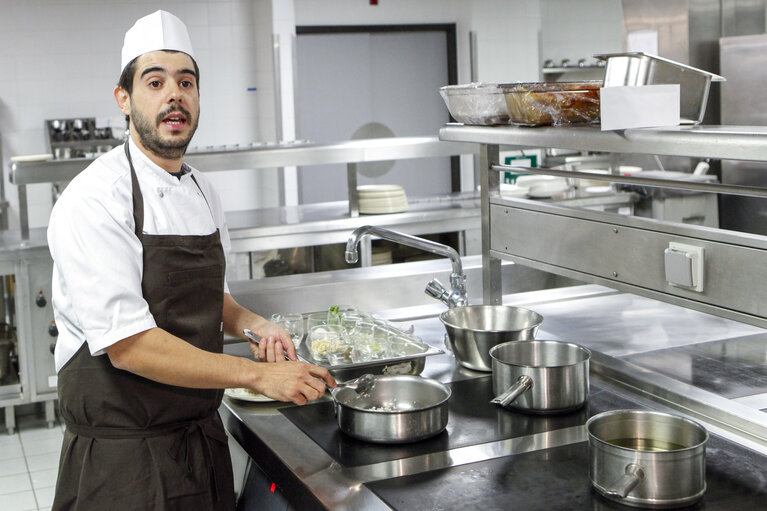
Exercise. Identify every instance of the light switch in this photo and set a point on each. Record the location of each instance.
(684, 266)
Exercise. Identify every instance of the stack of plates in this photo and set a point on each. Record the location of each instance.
(381, 255)
(377, 199)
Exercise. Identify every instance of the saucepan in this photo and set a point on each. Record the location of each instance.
(540, 377)
(646, 458)
(473, 329)
(396, 409)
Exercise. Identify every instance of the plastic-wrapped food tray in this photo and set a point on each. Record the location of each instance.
(476, 103)
(557, 103)
(412, 361)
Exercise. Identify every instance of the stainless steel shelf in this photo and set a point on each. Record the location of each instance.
(264, 156)
(261, 156)
(624, 253)
(719, 142)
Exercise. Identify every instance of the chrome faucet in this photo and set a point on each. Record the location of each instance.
(456, 297)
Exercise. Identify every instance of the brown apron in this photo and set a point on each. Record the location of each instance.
(132, 443)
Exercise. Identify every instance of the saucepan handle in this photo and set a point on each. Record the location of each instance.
(448, 343)
(522, 385)
(630, 479)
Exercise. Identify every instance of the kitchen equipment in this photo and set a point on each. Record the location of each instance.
(638, 68)
(646, 458)
(473, 329)
(558, 103)
(540, 376)
(6, 348)
(397, 409)
(476, 103)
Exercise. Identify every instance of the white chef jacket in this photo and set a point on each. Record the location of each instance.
(97, 270)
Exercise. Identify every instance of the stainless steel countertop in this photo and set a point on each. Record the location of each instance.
(607, 321)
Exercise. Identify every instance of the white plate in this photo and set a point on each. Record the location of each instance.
(379, 190)
(244, 395)
(543, 186)
(511, 190)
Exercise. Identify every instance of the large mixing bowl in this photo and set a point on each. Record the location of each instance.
(473, 329)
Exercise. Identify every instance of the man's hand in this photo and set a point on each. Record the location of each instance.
(298, 382)
(275, 344)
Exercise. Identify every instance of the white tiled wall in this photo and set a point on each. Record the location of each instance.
(62, 59)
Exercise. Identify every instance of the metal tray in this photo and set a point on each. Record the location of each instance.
(406, 364)
(637, 68)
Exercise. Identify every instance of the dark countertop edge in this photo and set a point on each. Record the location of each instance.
(293, 488)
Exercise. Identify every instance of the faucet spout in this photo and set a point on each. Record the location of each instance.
(457, 278)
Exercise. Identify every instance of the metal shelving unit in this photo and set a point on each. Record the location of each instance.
(625, 253)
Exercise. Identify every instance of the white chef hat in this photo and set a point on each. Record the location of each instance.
(160, 30)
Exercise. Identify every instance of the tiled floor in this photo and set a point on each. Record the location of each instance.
(29, 461)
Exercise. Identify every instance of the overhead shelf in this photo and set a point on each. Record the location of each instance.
(718, 142)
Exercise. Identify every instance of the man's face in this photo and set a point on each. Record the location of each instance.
(165, 103)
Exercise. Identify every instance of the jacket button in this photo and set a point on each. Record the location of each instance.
(161, 194)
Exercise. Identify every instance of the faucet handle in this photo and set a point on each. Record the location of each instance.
(435, 289)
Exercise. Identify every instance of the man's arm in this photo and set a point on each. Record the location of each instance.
(160, 356)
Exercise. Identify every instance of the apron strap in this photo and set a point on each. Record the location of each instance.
(138, 199)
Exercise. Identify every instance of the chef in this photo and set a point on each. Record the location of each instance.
(140, 298)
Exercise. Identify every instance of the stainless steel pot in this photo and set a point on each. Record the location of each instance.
(473, 329)
(398, 409)
(647, 459)
(540, 376)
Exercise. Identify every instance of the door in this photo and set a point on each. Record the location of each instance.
(354, 82)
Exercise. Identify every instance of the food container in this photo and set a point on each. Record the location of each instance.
(476, 103)
(540, 377)
(406, 353)
(637, 68)
(646, 458)
(472, 330)
(398, 409)
(557, 103)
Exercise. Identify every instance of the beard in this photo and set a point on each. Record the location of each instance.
(149, 135)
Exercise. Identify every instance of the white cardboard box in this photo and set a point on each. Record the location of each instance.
(642, 106)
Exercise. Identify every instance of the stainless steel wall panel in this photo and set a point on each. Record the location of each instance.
(631, 256)
(668, 17)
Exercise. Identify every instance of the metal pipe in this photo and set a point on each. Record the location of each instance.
(457, 277)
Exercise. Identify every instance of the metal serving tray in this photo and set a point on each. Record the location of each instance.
(637, 68)
(406, 364)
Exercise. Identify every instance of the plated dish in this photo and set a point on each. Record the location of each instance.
(247, 395)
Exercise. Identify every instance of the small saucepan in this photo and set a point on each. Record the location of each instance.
(646, 458)
(540, 377)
